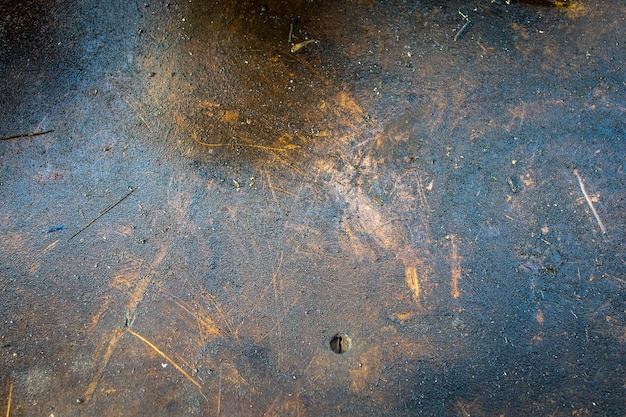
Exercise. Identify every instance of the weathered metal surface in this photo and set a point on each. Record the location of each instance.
(229, 186)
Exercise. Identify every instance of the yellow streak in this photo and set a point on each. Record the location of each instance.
(167, 358)
(248, 145)
(208, 145)
(224, 317)
(413, 282)
(205, 322)
(271, 148)
(10, 396)
(455, 268)
(91, 388)
(50, 246)
(137, 113)
(285, 191)
(135, 298)
(346, 102)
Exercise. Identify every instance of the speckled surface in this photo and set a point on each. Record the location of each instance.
(211, 208)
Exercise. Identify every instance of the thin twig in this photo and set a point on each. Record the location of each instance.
(593, 209)
(27, 135)
(103, 212)
(462, 31)
(464, 28)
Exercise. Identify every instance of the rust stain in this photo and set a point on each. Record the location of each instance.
(123, 230)
(538, 338)
(574, 9)
(347, 103)
(209, 106)
(229, 116)
(361, 375)
(403, 317)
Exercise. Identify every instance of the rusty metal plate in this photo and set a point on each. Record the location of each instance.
(312, 208)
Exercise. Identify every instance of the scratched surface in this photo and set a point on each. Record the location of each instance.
(211, 208)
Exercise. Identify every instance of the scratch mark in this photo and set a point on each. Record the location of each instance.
(413, 282)
(346, 102)
(167, 358)
(277, 324)
(91, 388)
(205, 323)
(282, 190)
(135, 298)
(292, 165)
(36, 262)
(278, 305)
(137, 112)
(313, 357)
(267, 288)
(221, 313)
(49, 247)
(10, 397)
(421, 193)
(219, 393)
(288, 147)
(271, 186)
(455, 267)
(270, 409)
(589, 202)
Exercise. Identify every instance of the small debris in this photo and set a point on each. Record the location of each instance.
(464, 28)
(300, 45)
(54, 229)
(513, 184)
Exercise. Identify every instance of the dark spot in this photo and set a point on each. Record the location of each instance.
(340, 343)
